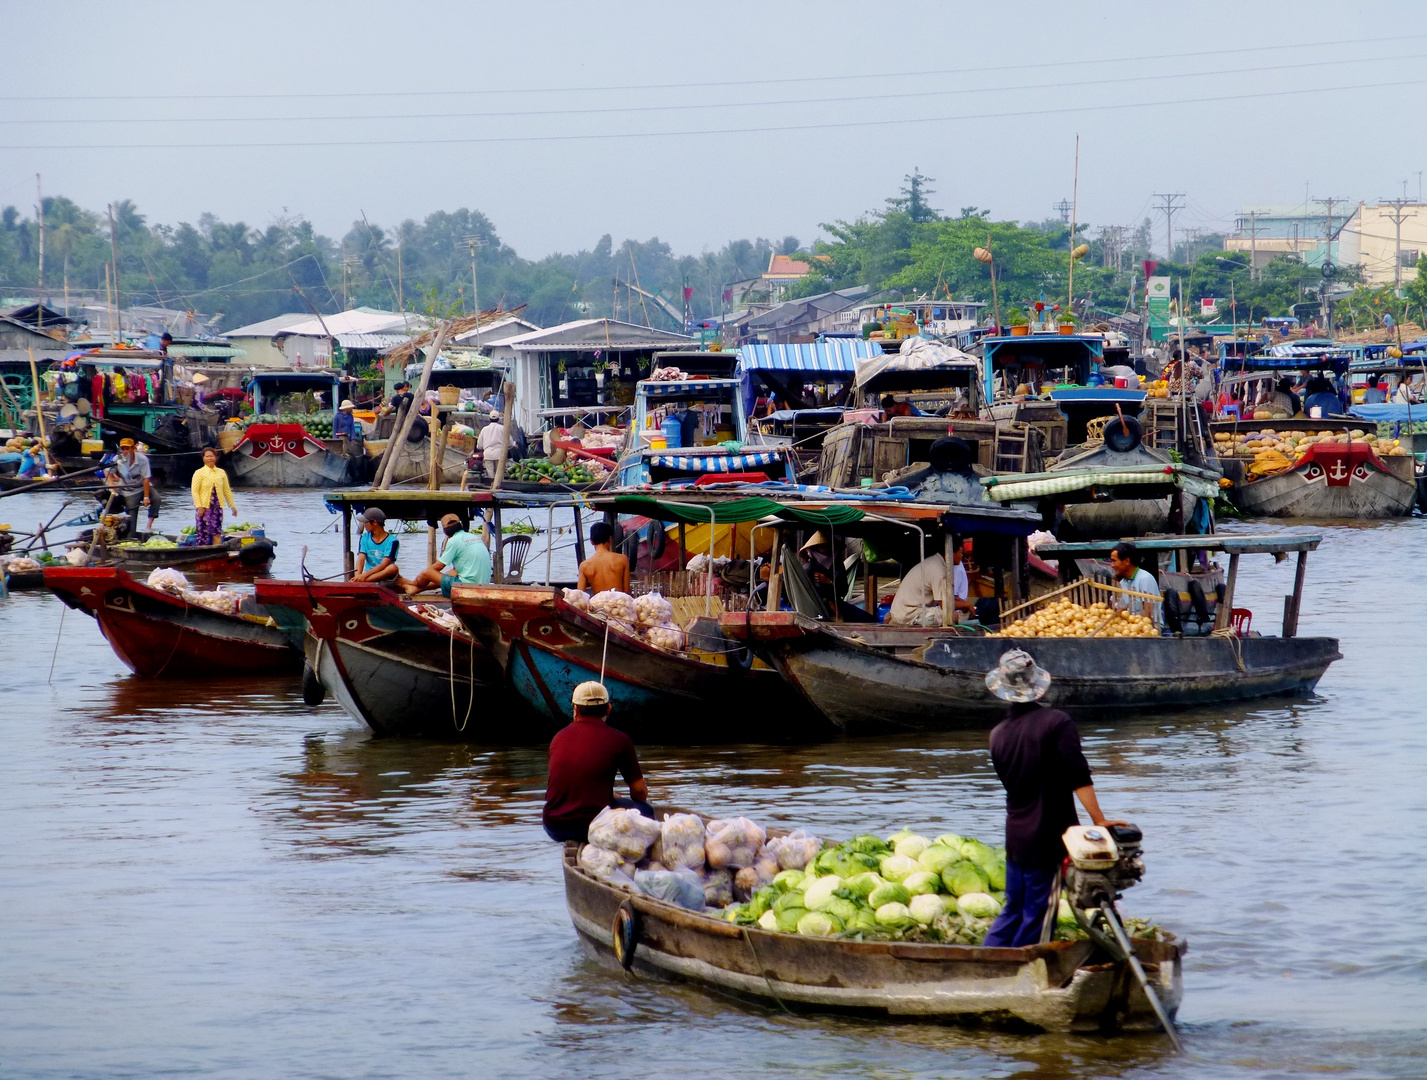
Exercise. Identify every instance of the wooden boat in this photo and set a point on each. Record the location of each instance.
(158, 634)
(547, 648)
(1347, 480)
(1060, 986)
(403, 668)
(246, 555)
(878, 678)
(285, 455)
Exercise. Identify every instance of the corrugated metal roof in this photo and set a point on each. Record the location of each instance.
(371, 341)
(269, 327)
(595, 334)
(834, 356)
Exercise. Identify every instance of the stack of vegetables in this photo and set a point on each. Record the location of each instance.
(545, 471)
(318, 425)
(1064, 618)
(155, 541)
(649, 616)
(1278, 451)
(902, 888)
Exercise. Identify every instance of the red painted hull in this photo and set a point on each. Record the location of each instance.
(158, 635)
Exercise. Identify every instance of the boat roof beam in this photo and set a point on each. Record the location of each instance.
(1233, 544)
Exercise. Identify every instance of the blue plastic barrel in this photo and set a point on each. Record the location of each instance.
(673, 432)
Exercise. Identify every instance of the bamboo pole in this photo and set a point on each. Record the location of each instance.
(398, 437)
(40, 413)
(507, 390)
(1074, 209)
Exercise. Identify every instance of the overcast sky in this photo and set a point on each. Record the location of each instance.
(703, 122)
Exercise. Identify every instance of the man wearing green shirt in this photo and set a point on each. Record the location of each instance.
(464, 558)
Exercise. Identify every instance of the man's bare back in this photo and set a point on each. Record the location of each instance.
(604, 570)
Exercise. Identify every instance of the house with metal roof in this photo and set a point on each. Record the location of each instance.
(798, 320)
(587, 364)
(304, 340)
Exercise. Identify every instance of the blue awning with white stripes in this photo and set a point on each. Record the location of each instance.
(836, 356)
(715, 463)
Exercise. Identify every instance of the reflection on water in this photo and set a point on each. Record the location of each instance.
(212, 878)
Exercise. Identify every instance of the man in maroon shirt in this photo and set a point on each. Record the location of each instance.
(1037, 755)
(584, 757)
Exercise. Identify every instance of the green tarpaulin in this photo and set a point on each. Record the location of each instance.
(732, 512)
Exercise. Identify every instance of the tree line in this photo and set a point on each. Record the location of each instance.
(907, 248)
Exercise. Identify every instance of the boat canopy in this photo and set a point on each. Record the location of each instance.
(1195, 481)
(431, 506)
(834, 356)
(1230, 543)
(1079, 353)
(920, 364)
(728, 511)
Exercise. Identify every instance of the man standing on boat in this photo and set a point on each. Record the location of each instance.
(584, 757)
(131, 478)
(606, 569)
(1037, 755)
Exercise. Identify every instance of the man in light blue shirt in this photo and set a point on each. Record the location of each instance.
(464, 558)
(1124, 561)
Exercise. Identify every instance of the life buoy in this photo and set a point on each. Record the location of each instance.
(624, 934)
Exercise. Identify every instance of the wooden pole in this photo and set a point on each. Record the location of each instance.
(349, 564)
(775, 572)
(40, 217)
(40, 414)
(995, 297)
(1290, 622)
(1221, 617)
(579, 535)
(948, 604)
(507, 390)
(438, 457)
(399, 436)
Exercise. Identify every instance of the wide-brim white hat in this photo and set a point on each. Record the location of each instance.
(1018, 678)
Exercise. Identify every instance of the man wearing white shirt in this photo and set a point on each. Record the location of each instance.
(491, 443)
(925, 585)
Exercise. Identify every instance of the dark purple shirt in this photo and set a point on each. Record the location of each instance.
(584, 756)
(1037, 755)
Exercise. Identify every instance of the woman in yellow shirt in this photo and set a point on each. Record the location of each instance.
(210, 492)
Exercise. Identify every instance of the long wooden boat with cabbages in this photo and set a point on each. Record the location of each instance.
(160, 635)
(402, 666)
(868, 678)
(1059, 986)
(246, 554)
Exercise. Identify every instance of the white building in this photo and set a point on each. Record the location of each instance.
(1371, 240)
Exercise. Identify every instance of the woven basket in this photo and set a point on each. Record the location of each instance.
(450, 395)
(229, 436)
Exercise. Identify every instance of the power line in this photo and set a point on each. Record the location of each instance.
(1397, 213)
(700, 132)
(627, 109)
(701, 85)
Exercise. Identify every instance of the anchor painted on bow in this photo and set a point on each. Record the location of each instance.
(1338, 470)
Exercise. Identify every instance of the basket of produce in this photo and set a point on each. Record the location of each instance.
(544, 471)
(1084, 608)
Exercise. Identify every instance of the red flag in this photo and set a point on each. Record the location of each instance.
(728, 296)
(688, 294)
(1150, 267)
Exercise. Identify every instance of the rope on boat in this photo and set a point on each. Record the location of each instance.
(1236, 645)
(451, 679)
(182, 626)
(59, 632)
(764, 972)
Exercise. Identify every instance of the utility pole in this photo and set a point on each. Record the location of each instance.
(40, 215)
(1397, 213)
(1064, 206)
(1169, 208)
(114, 257)
(474, 242)
(1327, 204)
(1112, 246)
(1253, 245)
(1192, 236)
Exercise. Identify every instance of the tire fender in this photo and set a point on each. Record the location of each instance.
(624, 934)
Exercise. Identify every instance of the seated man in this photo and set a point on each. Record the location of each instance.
(377, 550)
(924, 586)
(605, 569)
(1125, 562)
(584, 756)
(1375, 394)
(1323, 397)
(463, 558)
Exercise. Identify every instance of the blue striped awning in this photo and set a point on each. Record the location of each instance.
(673, 387)
(714, 463)
(836, 356)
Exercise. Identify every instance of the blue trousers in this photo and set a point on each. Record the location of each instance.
(1027, 893)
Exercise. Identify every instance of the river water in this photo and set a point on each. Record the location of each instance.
(210, 878)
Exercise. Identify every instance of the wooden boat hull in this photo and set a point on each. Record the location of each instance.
(280, 466)
(413, 462)
(250, 555)
(1369, 487)
(1053, 987)
(547, 648)
(862, 688)
(400, 672)
(158, 635)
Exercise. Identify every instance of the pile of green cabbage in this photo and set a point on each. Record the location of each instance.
(905, 887)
